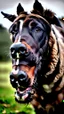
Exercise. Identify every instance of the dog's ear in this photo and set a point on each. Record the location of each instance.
(20, 9)
(51, 18)
(9, 16)
(38, 7)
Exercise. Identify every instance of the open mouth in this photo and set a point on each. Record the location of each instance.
(24, 96)
(22, 80)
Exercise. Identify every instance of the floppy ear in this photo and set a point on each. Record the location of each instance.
(20, 9)
(38, 6)
(51, 18)
(9, 16)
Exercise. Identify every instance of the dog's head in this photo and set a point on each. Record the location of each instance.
(29, 51)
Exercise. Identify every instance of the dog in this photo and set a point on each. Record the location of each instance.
(37, 56)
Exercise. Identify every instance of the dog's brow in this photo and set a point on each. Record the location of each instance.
(21, 16)
(26, 21)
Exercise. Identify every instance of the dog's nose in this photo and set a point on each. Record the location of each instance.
(20, 79)
(18, 50)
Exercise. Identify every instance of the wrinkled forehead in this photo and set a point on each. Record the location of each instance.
(24, 16)
(30, 17)
(24, 20)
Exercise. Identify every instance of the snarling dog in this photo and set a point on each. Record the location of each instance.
(37, 59)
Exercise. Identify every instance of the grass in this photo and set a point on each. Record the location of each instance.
(8, 105)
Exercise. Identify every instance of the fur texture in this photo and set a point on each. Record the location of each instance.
(42, 37)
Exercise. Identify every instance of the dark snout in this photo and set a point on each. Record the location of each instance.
(19, 79)
(23, 68)
(18, 50)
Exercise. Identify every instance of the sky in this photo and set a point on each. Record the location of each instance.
(9, 6)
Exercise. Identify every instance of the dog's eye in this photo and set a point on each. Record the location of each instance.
(38, 29)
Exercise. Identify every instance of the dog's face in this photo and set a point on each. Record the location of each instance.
(29, 51)
(30, 44)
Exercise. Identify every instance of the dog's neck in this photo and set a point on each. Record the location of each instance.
(55, 56)
(54, 53)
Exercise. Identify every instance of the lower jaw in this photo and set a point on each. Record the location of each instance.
(23, 97)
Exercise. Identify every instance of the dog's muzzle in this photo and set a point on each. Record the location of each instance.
(20, 81)
(19, 78)
(18, 50)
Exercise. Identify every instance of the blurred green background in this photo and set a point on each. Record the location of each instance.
(8, 105)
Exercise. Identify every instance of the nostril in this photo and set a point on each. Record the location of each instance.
(22, 50)
(12, 50)
(13, 53)
(13, 81)
(23, 79)
(22, 76)
(19, 80)
(18, 48)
